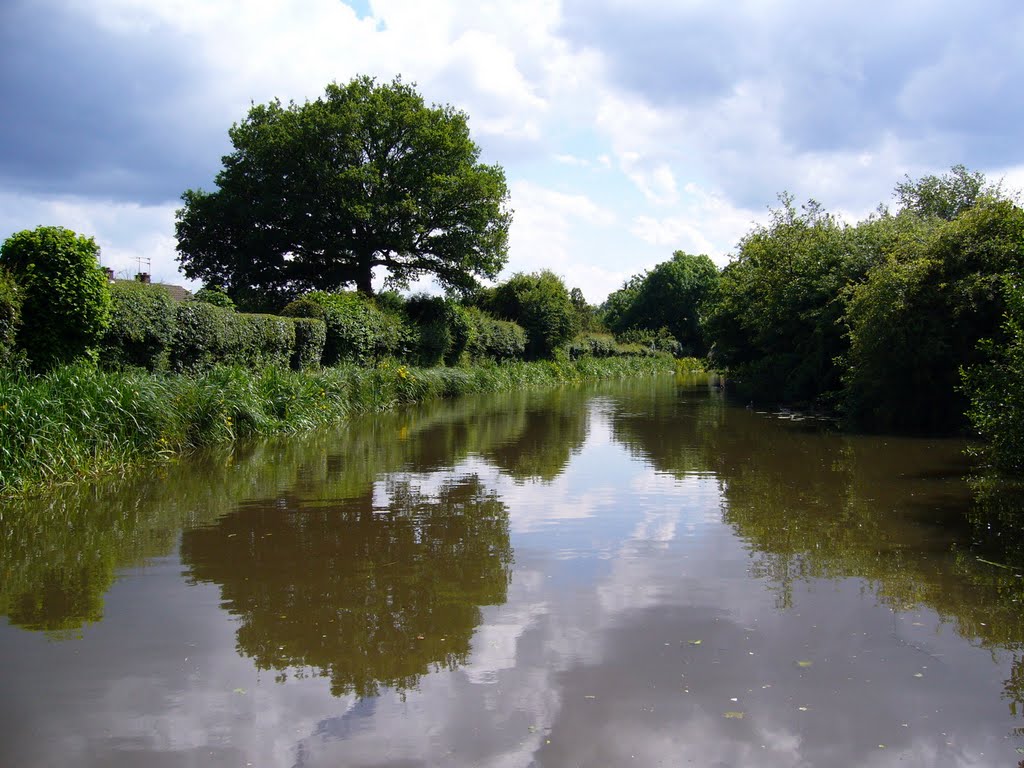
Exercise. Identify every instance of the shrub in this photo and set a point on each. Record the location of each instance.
(10, 315)
(205, 335)
(65, 298)
(141, 330)
(357, 331)
(310, 335)
(264, 340)
(540, 303)
(444, 329)
(491, 338)
(214, 294)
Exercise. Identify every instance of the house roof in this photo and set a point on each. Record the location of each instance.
(177, 292)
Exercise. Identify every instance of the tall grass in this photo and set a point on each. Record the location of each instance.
(77, 421)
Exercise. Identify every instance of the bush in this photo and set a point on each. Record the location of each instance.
(141, 330)
(65, 298)
(214, 294)
(263, 340)
(357, 331)
(310, 335)
(10, 315)
(444, 329)
(540, 303)
(205, 335)
(491, 338)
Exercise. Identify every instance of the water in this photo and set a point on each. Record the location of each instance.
(630, 574)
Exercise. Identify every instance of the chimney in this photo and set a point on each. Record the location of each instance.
(110, 274)
(142, 277)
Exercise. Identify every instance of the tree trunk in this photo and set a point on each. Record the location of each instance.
(364, 281)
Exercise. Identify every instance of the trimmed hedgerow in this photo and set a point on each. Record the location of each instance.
(65, 298)
(206, 335)
(357, 330)
(10, 314)
(263, 340)
(491, 338)
(310, 336)
(142, 326)
(443, 329)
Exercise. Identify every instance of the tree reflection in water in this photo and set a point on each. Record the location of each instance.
(367, 596)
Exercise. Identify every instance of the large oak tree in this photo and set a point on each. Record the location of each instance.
(316, 195)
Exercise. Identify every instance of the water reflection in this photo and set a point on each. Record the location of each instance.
(691, 583)
(366, 595)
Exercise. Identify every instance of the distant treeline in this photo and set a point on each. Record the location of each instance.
(909, 321)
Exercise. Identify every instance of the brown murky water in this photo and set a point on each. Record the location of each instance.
(630, 574)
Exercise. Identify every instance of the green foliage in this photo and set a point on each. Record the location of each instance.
(315, 196)
(214, 294)
(205, 335)
(489, 338)
(919, 315)
(996, 390)
(264, 340)
(142, 326)
(76, 421)
(10, 315)
(444, 329)
(607, 345)
(671, 296)
(65, 298)
(357, 331)
(310, 337)
(660, 340)
(774, 322)
(945, 196)
(540, 303)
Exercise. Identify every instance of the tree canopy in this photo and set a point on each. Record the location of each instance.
(668, 296)
(315, 196)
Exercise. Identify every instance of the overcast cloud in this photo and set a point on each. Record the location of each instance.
(627, 129)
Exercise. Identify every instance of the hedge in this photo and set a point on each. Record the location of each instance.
(10, 315)
(310, 336)
(496, 339)
(357, 330)
(142, 327)
(65, 298)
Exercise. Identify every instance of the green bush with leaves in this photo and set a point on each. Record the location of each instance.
(541, 304)
(493, 339)
(65, 296)
(310, 337)
(444, 329)
(670, 296)
(774, 322)
(357, 330)
(205, 336)
(142, 326)
(996, 390)
(264, 340)
(214, 294)
(919, 316)
(10, 315)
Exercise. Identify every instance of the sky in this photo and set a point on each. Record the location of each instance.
(627, 130)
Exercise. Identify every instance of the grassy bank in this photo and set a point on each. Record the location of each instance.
(77, 422)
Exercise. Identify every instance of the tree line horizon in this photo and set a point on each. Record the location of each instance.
(908, 321)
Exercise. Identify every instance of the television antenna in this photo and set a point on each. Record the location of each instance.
(144, 261)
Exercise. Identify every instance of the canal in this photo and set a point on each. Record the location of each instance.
(632, 573)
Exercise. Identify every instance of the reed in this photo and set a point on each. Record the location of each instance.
(76, 421)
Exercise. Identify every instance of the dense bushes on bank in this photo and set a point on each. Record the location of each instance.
(64, 298)
(10, 315)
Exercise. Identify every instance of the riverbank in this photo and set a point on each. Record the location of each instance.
(77, 422)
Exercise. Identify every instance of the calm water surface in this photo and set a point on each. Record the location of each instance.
(631, 574)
